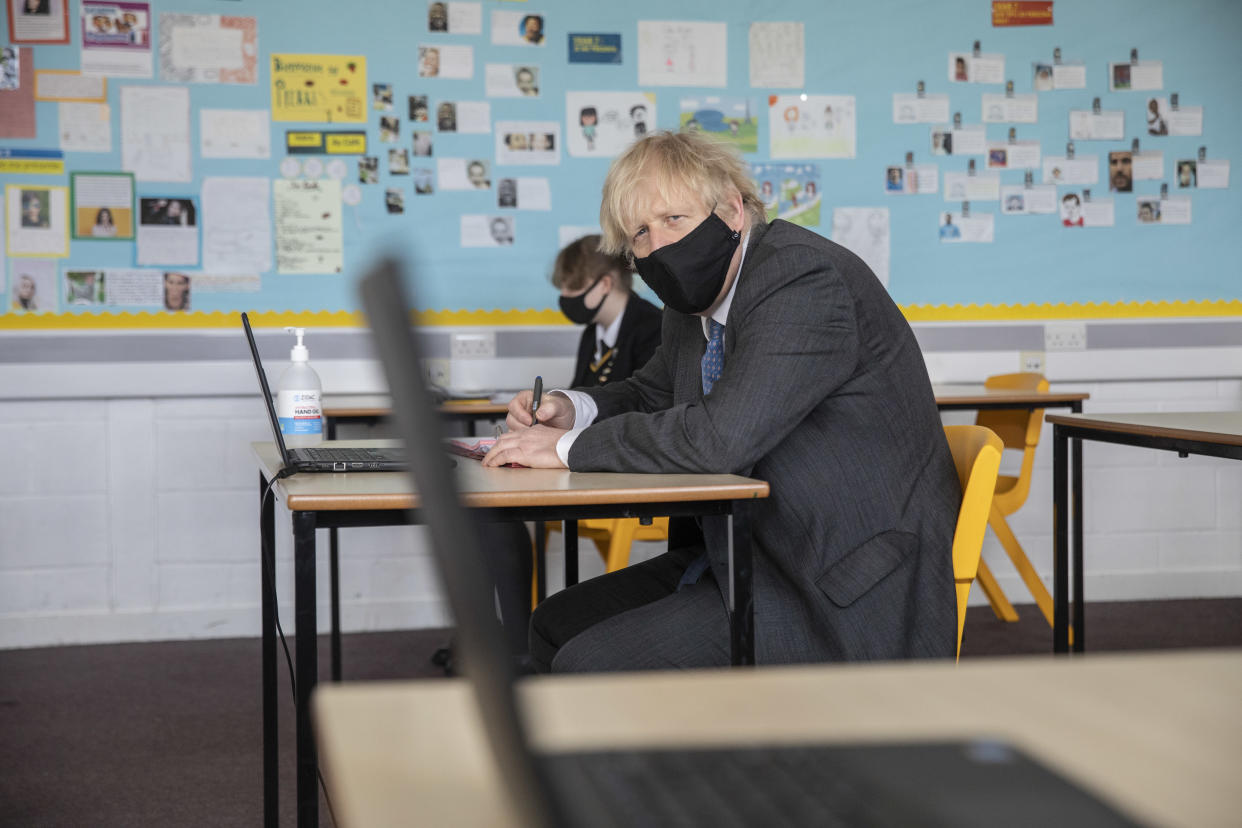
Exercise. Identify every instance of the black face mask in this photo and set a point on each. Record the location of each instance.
(575, 307)
(688, 274)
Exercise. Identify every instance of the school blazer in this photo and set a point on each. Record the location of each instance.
(824, 395)
(637, 340)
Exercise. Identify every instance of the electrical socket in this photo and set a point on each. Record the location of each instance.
(473, 345)
(1065, 336)
(1031, 361)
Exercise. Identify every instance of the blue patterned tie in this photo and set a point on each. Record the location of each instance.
(713, 357)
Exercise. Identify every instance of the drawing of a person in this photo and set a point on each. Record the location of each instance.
(588, 119)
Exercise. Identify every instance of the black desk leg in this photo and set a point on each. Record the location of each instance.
(742, 626)
(571, 553)
(334, 578)
(1060, 541)
(267, 585)
(334, 575)
(307, 664)
(541, 562)
(1080, 605)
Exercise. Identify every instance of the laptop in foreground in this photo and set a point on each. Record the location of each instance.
(330, 459)
(966, 783)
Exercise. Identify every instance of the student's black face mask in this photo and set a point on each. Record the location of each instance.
(575, 307)
(688, 274)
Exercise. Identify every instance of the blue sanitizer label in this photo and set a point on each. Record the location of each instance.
(299, 412)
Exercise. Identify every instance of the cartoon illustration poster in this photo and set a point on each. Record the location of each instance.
(603, 124)
(789, 191)
(819, 126)
(330, 88)
(734, 120)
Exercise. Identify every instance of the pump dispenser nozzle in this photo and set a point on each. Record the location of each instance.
(299, 352)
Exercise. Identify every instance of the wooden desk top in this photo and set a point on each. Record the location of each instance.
(1158, 735)
(498, 488)
(1217, 427)
(979, 395)
(379, 405)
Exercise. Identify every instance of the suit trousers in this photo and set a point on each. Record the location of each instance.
(634, 619)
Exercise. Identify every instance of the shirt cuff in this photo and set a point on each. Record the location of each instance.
(585, 412)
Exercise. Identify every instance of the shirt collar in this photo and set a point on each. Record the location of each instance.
(607, 337)
(721, 314)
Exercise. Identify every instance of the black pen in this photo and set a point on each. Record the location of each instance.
(534, 403)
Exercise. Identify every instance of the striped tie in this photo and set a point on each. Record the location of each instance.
(713, 357)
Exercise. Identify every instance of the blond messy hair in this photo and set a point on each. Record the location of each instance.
(675, 162)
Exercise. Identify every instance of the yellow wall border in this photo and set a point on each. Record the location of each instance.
(146, 320)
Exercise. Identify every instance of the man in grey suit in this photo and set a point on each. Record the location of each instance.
(782, 358)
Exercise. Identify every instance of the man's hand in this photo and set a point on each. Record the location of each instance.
(534, 446)
(555, 410)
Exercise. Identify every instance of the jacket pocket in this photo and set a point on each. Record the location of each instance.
(866, 565)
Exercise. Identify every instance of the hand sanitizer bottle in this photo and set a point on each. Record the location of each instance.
(299, 398)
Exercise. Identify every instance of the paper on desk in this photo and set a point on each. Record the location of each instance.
(237, 225)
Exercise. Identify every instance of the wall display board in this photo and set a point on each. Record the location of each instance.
(1077, 165)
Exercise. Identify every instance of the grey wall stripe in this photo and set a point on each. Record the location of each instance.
(216, 346)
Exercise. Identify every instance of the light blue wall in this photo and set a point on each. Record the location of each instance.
(869, 50)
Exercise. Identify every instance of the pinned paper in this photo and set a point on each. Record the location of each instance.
(167, 231)
(777, 55)
(1108, 125)
(33, 286)
(308, 226)
(518, 28)
(330, 88)
(1136, 76)
(960, 186)
(511, 80)
(234, 133)
(237, 225)
(603, 124)
(523, 194)
(85, 127)
(155, 132)
(1015, 109)
(812, 126)
(789, 192)
(956, 228)
(1079, 171)
(36, 220)
(865, 232)
(682, 53)
(528, 142)
(103, 205)
(116, 39)
(208, 48)
(732, 120)
(912, 109)
(487, 231)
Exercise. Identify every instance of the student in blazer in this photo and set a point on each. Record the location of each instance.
(597, 290)
(820, 389)
(622, 331)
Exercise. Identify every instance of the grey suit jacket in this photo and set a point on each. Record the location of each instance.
(825, 395)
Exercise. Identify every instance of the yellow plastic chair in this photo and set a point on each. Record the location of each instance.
(976, 454)
(612, 537)
(1018, 429)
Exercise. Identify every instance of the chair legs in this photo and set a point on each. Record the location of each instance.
(1023, 564)
(996, 596)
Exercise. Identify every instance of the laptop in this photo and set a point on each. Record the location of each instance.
(962, 783)
(317, 459)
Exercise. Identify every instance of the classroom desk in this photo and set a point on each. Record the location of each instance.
(383, 499)
(1157, 735)
(1214, 433)
(371, 408)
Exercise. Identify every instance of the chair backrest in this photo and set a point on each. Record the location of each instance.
(976, 455)
(1018, 429)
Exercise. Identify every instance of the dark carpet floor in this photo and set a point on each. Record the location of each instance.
(168, 734)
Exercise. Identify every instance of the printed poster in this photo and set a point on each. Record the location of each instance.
(789, 191)
(594, 48)
(331, 88)
(116, 39)
(167, 231)
(33, 286)
(308, 226)
(732, 120)
(208, 48)
(821, 126)
(103, 205)
(37, 220)
(603, 124)
(38, 21)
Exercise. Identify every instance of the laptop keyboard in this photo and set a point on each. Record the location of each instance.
(339, 454)
(786, 785)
